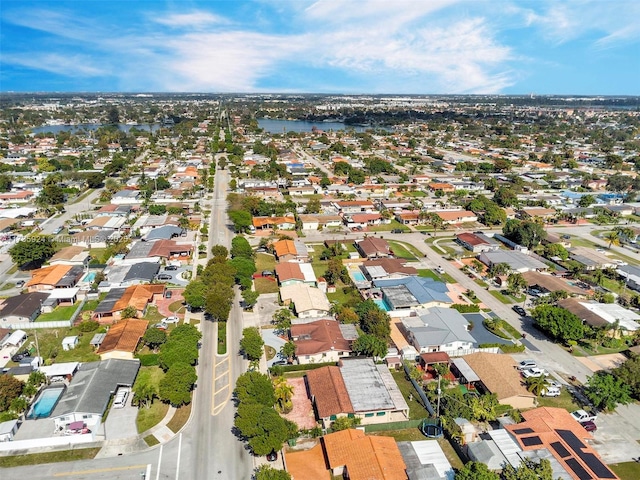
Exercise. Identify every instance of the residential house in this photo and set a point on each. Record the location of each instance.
(87, 396)
(127, 197)
(537, 212)
(357, 388)
(95, 238)
(555, 430)
(442, 187)
(457, 216)
(546, 282)
(279, 223)
(308, 302)
(425, 460)
(494, 373)
(73, 255)
(516, 260)
(387, 268)
(122, 338)
(439, 330)
(291, 250)
(54, 276)
(412, 293)
(349, 207)
(138, 296)
(23, 308)
(477, 242)
(591, 259)
(362, 220)
(107, 223)
(319, 341)
(289, 273)
(619, 319)
(316, 222)
(125, 274)
(373, 247)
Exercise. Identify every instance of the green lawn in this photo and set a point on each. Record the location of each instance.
(149, 417)
(99, 254)
(60, 313)
(150, 440)
(50, 343)
(388, 227)
(180, 418)
(627, 470)
(90, 305)
(425, 272)
(341, 297)
(265, 261)
(222, 338)
(501, 297)
(565, 400)
(265, 285)
(152, 314)
(404, 435)
(416, 410)
(414, 193)
(401, 250)
(49, 457)
(8, 286)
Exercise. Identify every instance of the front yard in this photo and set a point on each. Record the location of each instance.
(58, 314)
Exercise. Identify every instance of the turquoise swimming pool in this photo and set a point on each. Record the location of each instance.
(358, 276)
(45, 403)
(382, 304)
(89, 277)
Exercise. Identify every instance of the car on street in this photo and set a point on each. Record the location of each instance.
(161, 325)
(550, 391)
(19, 356)
(440, 270)
(583, 416)
(589, 426)
(273, 456)
(534, 372)
(171, 319)
(170, 267)
(279, 362)
(168, 294)
(519, 310)
(163, 276)
(397, 230)
(57, 230)
(20, 283)
(526, 364)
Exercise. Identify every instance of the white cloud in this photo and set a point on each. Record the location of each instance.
(70, 65)
(196, 19)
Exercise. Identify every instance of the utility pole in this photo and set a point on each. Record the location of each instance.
(439, 391)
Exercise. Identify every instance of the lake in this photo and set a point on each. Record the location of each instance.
(90, 127)
(282, 126)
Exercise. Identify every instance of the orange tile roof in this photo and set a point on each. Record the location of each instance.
(123, 336)
(138, 296)
(498, 374)
(285, 247)
(308, 464)
(289, 271)
(327, 386)
(319, 336)
(366, 457)
(455, 214)
(48, 275)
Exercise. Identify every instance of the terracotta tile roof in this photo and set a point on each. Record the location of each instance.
(391, 265)
(123, 336)
(498, 374)
(471, 239)
(441, 186)
(550, 428)
(48, 275)
(366, 457)
(308, 464)
(365, 217)
(372, 245)
(289, 271)
(327, 386)
(455, 215)
(138, 296)
(434, 357)
(68, 253)
(319, 336)
(263, 221)
(550, 282)
(285, 247)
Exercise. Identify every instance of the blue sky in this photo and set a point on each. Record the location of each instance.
(328, 46)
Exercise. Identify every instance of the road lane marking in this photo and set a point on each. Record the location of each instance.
(99, 470)
(179, 452)
(159, 461)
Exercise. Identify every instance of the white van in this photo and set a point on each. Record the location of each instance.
(120, 399)
(551, 392)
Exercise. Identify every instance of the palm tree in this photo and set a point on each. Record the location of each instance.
(516, 283)
(477, 265)
(613, 237)
(284, 394)
(537, 385)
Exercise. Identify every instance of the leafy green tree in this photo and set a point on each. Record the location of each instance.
(186, 333)
(344, 423)
(288, 350)
(476, 471)
(284, 394)
(435, 221)
(33, 251)
(586, 201)
(240, 247)
(154, 337)
(376, 323)
(336, 271)
(173, 352)
(242, 220)
(252, 343)
(10, 389)
(50, 195)
(250, 297)
(528, 470)
(266, 472)
(613, 237)
(370, 345)
(558, 323)
(263, 428)
(219, 251)
(525, 233)
(505, 196)
(498, 269)
(282, 319)
(245, 268)
(218, 302)
(5, 183)
(537, 385)
(95, 180)
(607, 391)
(629, 373)
(346, 314)
(19, 405)
(129, 312)
(144, 389)
(113, 116)
(195, 294)
(516, 283)
(253, 386)
(313, 206)
(556, 250)
(176, 385)
(157, 209)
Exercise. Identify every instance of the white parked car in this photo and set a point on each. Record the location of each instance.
(583, 416)
(171, 320)
(534, 372)
(526, 364)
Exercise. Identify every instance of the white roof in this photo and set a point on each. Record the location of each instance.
(60, 369)
(70, 340)
(15, 338)
(61, 293)
(17, 212)
(305, 297)
(307, 272)
(429, 452)
(507, 445)
(8, 426)
(612, 312)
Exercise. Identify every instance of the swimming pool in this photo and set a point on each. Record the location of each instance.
(358, 276)
(382, 304)
(89, 277)
(45, 403)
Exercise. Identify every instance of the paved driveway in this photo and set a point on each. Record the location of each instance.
(617, 434)
(121, 422)
(270, 338)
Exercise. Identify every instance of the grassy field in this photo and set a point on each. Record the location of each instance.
(416, 410)
(50, 343)
(265, 285)
(340, 297)
(150, 440)
(8, 286)
(265, 261)
(49, 457)
(180, 418)
(404, 435)
(565, 400)
(388, 227)
(627, 470)
(400, 250)
(149, 417)
(425, 272)
(59, 313)
(222, 338)
(177, 307)
(414, 193)
(152, 314)
(501, 297)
